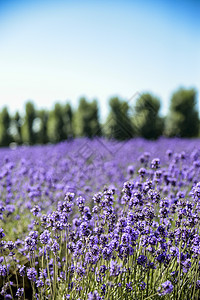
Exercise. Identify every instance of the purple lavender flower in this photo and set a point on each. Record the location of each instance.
(166, 288)
(55, 247)
(103, 289)
(142, 172)
(130, 170)
(22, 271)
(186, 265)
(142, 260)
(35, 210)
(94, 296)
(97, 198)
(69, 197)
(80, 200)
(80, 271)
(155, 163)
(10, 208)
(114, 268)
(45, 237)
(20, 292)
(129, 286)
(31, 274)
(39, 283)
(8, 296)
(10, 245)
(198, 284)
(196, 191)
(142, 285)
(126, 238)
(102, 269)
(43, 274)
(3, 270)
(174, 251)
(2, 234)
(169, 152)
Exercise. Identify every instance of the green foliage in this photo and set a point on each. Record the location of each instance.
(60, 123)
(42, 135)
(118, 124)
(56, 125)
(28, 132)
(146, 119)
(183, 117)
(199, 128)
(18, 128)
(68, 118)
(5, 121)
(87, 119)
(63, 123)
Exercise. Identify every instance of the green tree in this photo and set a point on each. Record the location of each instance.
(42, 133)
(59, 132)
(60, 123)
(146, 119)
(87, 119)
(29, 134)
(17, 125)
(118, 124)
(5, 122)
(199, 128)
(183, 119)
(68, 120)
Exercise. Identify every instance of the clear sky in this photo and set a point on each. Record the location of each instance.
(61, 50)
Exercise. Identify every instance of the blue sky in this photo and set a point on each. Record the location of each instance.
(61, 50)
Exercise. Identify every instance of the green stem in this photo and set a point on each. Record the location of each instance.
(7, 276)
(49, 273)
(24, 287)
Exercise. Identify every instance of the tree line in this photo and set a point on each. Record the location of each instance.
(124, 120)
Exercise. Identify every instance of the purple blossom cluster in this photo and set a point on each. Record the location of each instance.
(120, 226)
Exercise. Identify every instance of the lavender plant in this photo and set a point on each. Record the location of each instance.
(120, 227)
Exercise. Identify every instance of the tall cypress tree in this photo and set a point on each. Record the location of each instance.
(183, 119)
(118, 124)
(43, 133)
(146, 119)
(5, 121)
(68, 118)
(28, 131)
(18, 127)
(87, 119)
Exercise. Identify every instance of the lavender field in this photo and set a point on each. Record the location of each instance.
(97, 219)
